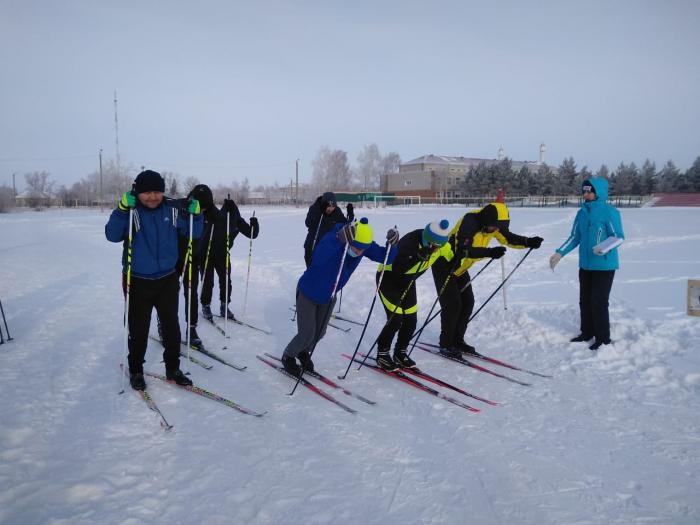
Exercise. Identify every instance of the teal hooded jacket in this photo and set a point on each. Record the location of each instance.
(595, 222)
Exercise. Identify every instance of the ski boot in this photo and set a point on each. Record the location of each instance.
(466, 348)
(306, 362)
(195, 340)
(598, 343)
(451, 351)
(402, 359)
(137, 381)
(290, 365)
(177, 376)
(226, 312)
(384, 361)
(206, 312)
(581, 338)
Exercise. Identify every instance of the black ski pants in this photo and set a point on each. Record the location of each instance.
(457, 306)
(191, 311)
(594, 293)
(218, 265)
(401, 314)
(144, 295)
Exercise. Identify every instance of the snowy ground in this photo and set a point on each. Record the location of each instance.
(614, 437)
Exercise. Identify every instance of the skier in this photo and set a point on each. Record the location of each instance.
(416, 252)
(315, 299)
(322, 216)
(469, 239)
(597, 231)
(221, 244)
(158, 223)
(200, 249)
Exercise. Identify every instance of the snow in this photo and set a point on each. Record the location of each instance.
(613, 437)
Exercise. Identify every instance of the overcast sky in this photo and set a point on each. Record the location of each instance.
(222, 90)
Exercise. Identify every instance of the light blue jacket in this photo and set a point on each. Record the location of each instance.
(595, 222)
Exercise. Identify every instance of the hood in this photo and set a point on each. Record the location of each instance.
(601, 187)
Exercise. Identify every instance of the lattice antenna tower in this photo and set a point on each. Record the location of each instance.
(116, 139)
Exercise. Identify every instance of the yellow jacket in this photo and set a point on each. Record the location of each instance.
(470, 242)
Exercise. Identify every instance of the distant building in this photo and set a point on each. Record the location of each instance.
(441, 176)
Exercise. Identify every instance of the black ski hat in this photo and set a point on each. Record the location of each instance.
(203, 194)
(488, 216)
(329, 199)
(149, 180)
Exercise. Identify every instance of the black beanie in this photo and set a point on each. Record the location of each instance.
(488, 216)
(149, 181)
(202, 193)
(329, 199)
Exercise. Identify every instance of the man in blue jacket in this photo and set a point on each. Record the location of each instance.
(597, 232)
(154, 283)
(315, 298)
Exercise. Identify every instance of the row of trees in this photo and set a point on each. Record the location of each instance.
(332, 170)
(627, 179)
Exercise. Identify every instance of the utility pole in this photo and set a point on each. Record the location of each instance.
(101, 199)
(296, 194)
(14, 187)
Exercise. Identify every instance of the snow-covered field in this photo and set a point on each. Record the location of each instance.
(613, 437)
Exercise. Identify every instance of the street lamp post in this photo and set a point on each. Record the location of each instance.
(296, 193)
(101, 196)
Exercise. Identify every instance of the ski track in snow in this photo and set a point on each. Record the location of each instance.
(613, 437)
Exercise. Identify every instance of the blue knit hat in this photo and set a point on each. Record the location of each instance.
(436, 233)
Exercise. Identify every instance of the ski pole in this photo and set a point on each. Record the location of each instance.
(340, 302)
(126, 296)
(206, 258)
(442, 289)
(4, 320)
(503, 276)
(500, 286)
(374, 300)
(430, 319)
(189, 292)
(318, 228)
(247, 278)
(328, 315)
(393, 313)
(228, 256)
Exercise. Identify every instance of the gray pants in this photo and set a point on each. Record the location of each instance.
(312, 321)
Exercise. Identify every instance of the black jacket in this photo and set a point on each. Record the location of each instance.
(319, 223)
(216, 218)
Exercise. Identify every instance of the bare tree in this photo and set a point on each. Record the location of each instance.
(369, 167)
(331, 170)
(7, 200)
(172, 183)
(39, 188)
(190, 182)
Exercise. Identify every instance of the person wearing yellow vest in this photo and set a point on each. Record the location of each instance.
(469, 240)
(417, 251)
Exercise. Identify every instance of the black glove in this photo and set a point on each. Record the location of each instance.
(346, 234)
(534, 242)
(351, 211)
(497, 252)
(254, 226)
(392, 236)
(424, 253)
(229, 206)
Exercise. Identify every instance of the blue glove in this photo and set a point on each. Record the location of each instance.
(193, 207)
(127, 201)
